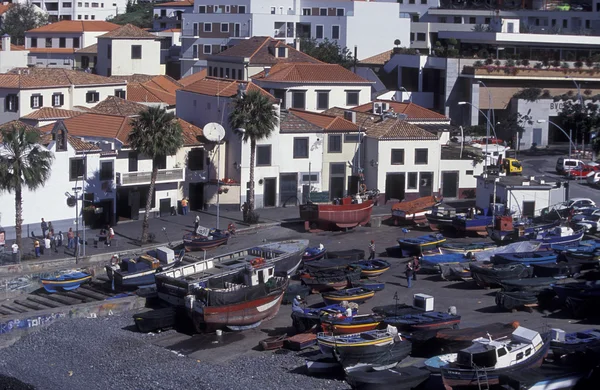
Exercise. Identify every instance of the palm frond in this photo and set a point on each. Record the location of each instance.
(155, 132)
(255, 113)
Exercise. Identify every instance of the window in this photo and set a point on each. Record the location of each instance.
(469, 172)
(306, 11)
(67, 5)
(412, 37)
(240, 77)
(79, 4)
(300, 147)
(553, 22)
(397, 157)
(587, 23)
(415, 18)
(322, 100)
(299, 99)
(502, 352)
(133, 161)
(106, 170)
(281, 52)
(207, 49)
(37, 101)
(335, 32)
(273, 10)
(62, 42)
(195, 159)
(528, 352)
(76, 169)
(310, 178)
(458, 20)
(201, 9)
(352, 98)
(322, 11)
(241, 9)
(93, 17)
(334, 144)
(411, 1)
(227, 9)
(472, 20)
(79, 17)
(263, 155)
(76, 43)
(421, 156)
(442, 19)
(120, 93)
(92, 97)
(351, 138)
(194, 51)
(487, 20)
(161, 162)
(340, 12)
(48, 42)
(87, 4)
(224, 27)
(86, 17)
(520, 356)
(319, 32)
(423, 1)
(109, 52)
(136, 52)
(222, 48)
(412, 181)
(11, 103)
(58, 100)
(207, 27)
(565, 23)
(421, 37)
(94, 5)
(33, 42)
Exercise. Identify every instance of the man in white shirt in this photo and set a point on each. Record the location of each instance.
(15, 252)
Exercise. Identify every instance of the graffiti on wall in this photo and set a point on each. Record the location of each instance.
(28, 323)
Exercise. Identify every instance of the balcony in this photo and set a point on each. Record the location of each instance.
(139, 178)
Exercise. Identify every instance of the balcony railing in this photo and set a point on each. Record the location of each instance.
(190, 32)
(136, 178)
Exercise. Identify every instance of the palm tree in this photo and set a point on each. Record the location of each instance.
(155, 133)
(253, 112)
(24, 163)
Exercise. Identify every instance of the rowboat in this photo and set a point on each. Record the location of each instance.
(349, 325)
(345, 215)
(327, 280)
(414, 211)
(420, 245)
(135, 271)
(526, 258)
(198, 242)
(369, 284)
(272, 343)
(159, 319)
(424, 321)
(68, 281)
(354, 294)
(376, 356)
(328, 341)
(465, 247)
(314, 253)
(372, 268)
(399, 378)
(488, 275)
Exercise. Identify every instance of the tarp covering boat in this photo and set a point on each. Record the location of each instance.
(515, 247)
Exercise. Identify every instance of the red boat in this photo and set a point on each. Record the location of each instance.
(345, 215)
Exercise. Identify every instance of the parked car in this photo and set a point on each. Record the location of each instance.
(582, 172)
(563, 165)
(576, 204)
(588, 211)
(594, 179)
(589, 223)
(490, 141)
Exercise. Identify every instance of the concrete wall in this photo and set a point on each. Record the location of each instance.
(121, 63)
(10, 59)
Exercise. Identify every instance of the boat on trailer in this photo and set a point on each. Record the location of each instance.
(140, 270)
(344, 215)
(67, 281)
(198, 242)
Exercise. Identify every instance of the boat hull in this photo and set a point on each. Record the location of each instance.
(333, 298)
(54, 285)
(342, 216)
(198, 243)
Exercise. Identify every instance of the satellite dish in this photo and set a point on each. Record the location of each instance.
(71, 202)
(213, 132)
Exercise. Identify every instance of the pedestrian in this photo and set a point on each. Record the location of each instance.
(184, 206)
(296, 308)
(70, 239)
(416, 267)
(36, 248)
(78, 244)
(231, 228)
(409, 274)
(47, 241)
(60, 238)
(196, 223)
(50, 227)
(110, 235)
(15, 252)
(52, 239)
(44, 227)
(372, 250)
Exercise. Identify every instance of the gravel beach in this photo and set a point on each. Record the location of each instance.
(99, 353)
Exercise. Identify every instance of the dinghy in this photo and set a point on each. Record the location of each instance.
(377, 356)
(399, 378)
(198, 242)
(492, 275)
(372, 268)
(528, 284)
(526, 258)
(558, 270)
(67, 282)
(369, 284)
(328, 341)
(424, 321)
(155, 320)
(465, 247)
(420, 245)
(574, 342)
(355, 294)
(515, 300)
(314, 253)
(328, 280)
(349, 325)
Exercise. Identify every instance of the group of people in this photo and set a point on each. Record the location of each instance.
(412, 267)
(52, 241)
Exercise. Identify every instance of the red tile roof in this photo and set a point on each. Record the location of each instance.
(46, 113)
(114, 105)
(378, 59)
(91, 49)
(75, 26)
(24, 78)
(326, 122)
(413, 111)
(128, 31)
(261, 51)
(143, 88)
(311, 73)
(213, 86)
(50, 50)
(171, 4)
(193, 78)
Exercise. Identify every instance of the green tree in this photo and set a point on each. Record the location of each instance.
(582, 121)
(23, 164)
(254, 113)
(157, 134)
(327, 51)
(476, 130)
(511, 127)
(20, 18)
(140, 15)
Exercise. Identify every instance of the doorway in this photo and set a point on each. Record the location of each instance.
(425, 183)
(528, 208)
(196, 196)
(288, 189)
(337, 180)
(353, 182)
(270, 192)
(164, 207)
(450, 184)
(236, 30)
(394, 186)
(537, 136)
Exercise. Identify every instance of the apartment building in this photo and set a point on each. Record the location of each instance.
(80, 10)
(169, 15)
(369, 26)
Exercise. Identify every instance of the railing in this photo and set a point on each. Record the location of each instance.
(190, 32)
(164, 175)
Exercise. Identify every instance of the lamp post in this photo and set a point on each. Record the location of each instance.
(360, 128)
(580, 98)
(570, 135)
(76, 190)
(487, 136)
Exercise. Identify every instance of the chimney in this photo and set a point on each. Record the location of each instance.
(5, 42)
(297, 44)
(267, 70)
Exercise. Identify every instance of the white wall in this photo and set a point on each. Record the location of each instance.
(349, 153)
(104, 9)
(10, 59)
(122, 64)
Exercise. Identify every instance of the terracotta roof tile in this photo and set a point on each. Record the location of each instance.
(378, 59)
(9, 125)
(213, 86)
(311, 73)
(91, 49)
(51, 77)
(57, 50)
(261, 51)
(191, 133)
(46, 113)
(171, 4)
(289, 122)
(128, 31)
(193, 78)
(414, 111)
(150, 89)
(4, 8)
(81, 146)
(73, 26)
(326, 122)
(114, 105)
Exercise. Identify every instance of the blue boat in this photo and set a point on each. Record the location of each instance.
(369, 284)
(560, 235)
(432, 263)
(465, 247)
(424, 321)
(506, 230)
(581, 290)
(140, 270)
(526, 258)
(583, 246)
(575, 342)
(420, 245)
(314, 253)
(198, 242)
(477, 223)
(372, 268)
(69, 281)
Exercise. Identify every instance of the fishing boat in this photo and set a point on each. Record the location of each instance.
(590, 245)
(420, 245)
(546, 377)
(272, 343)
(328, 265)
(399, 378)
(582, 308)
(414, 211)
(424, 321)
(372, 268)
(477, 223)
(465, 247)
(455, 271)
(328, 341)
(198, 242)
(67, 281)
(323, 364)
(488, 358)
(348, 254)
(327, 280)
(369, 284)
(394, 310)
(515, 299)
(344, 215)
(527, 284)
(441, 215)
(156, 320)
(586, 256)
(354, 294)
(376, 356)
(559, 235)
(506, 229)
(489, 275)
(577, 290)
(294, 290)
(563, 343)
(140, 270)
(432, 263)
(314, 253)
(556, 270)
(348, 325)
(436, 363)
(311, 317)
(526, 258)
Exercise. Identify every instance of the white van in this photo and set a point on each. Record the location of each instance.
(563, 165)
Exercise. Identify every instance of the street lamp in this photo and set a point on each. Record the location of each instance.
(410, 94)
(570, 135)
(76, 190)
(489, 124)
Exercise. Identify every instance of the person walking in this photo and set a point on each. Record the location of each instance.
(409, 274)
(372, 250)
(184, 206)
(59, 238)
(70, 239)
(36, 248)
(416, 267)
(52, 242)
(110, 235)
(15, 252)
(44, 227)
(78, 244)
(196, 223)
(50, 228)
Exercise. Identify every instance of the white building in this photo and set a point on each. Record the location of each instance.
(25, 90)
(169, 15)
(170, 51)
(54, 45)
(11, 56)
(350, 23)
(80, 10)
(128, 50)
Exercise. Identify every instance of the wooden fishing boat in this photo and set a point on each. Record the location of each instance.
(394, 310)
(523, 350)
(311, 317)
(577, 290)
(465, 247)
(455, 272)
(526, 258)
(414, 211)
(399, 378)
(198, 242)
(349, 254)
(586, 256)
(345, 215)
(327, 280)
(369, 284)
(590, 245)
(506, 230)
(155, 320)
(328, 341)
(323, 364)
(354, 294)
(273, 343)
(432, 263)
(424, 321)
(349, 325)
(488, 275)
(293, 290)
(477, 223)
(420, 245)
(527, 284)
(314, 253)
(372, 268)
(557, 270)
(560, 235)
(328, 265)
(376, 356)
(438, 221)
(515, 299)
(67, 281)
(140, 270)
(575, 342)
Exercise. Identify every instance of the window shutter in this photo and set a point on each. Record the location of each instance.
(7, 103)
(16, 105)
(41, 101)
(62, 99)
(31, 101)
(97, 96)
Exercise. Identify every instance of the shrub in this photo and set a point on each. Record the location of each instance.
(578, 64)
(546, 94)
(538, 65)
(570, 93)
(252, 217)
(525, 62)
(587, 92)
(556, 63)
(489, 61)
(546, 62)
(478, 64)
(529, 94)
(497, 63)
(589, 62)
(510, 62)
